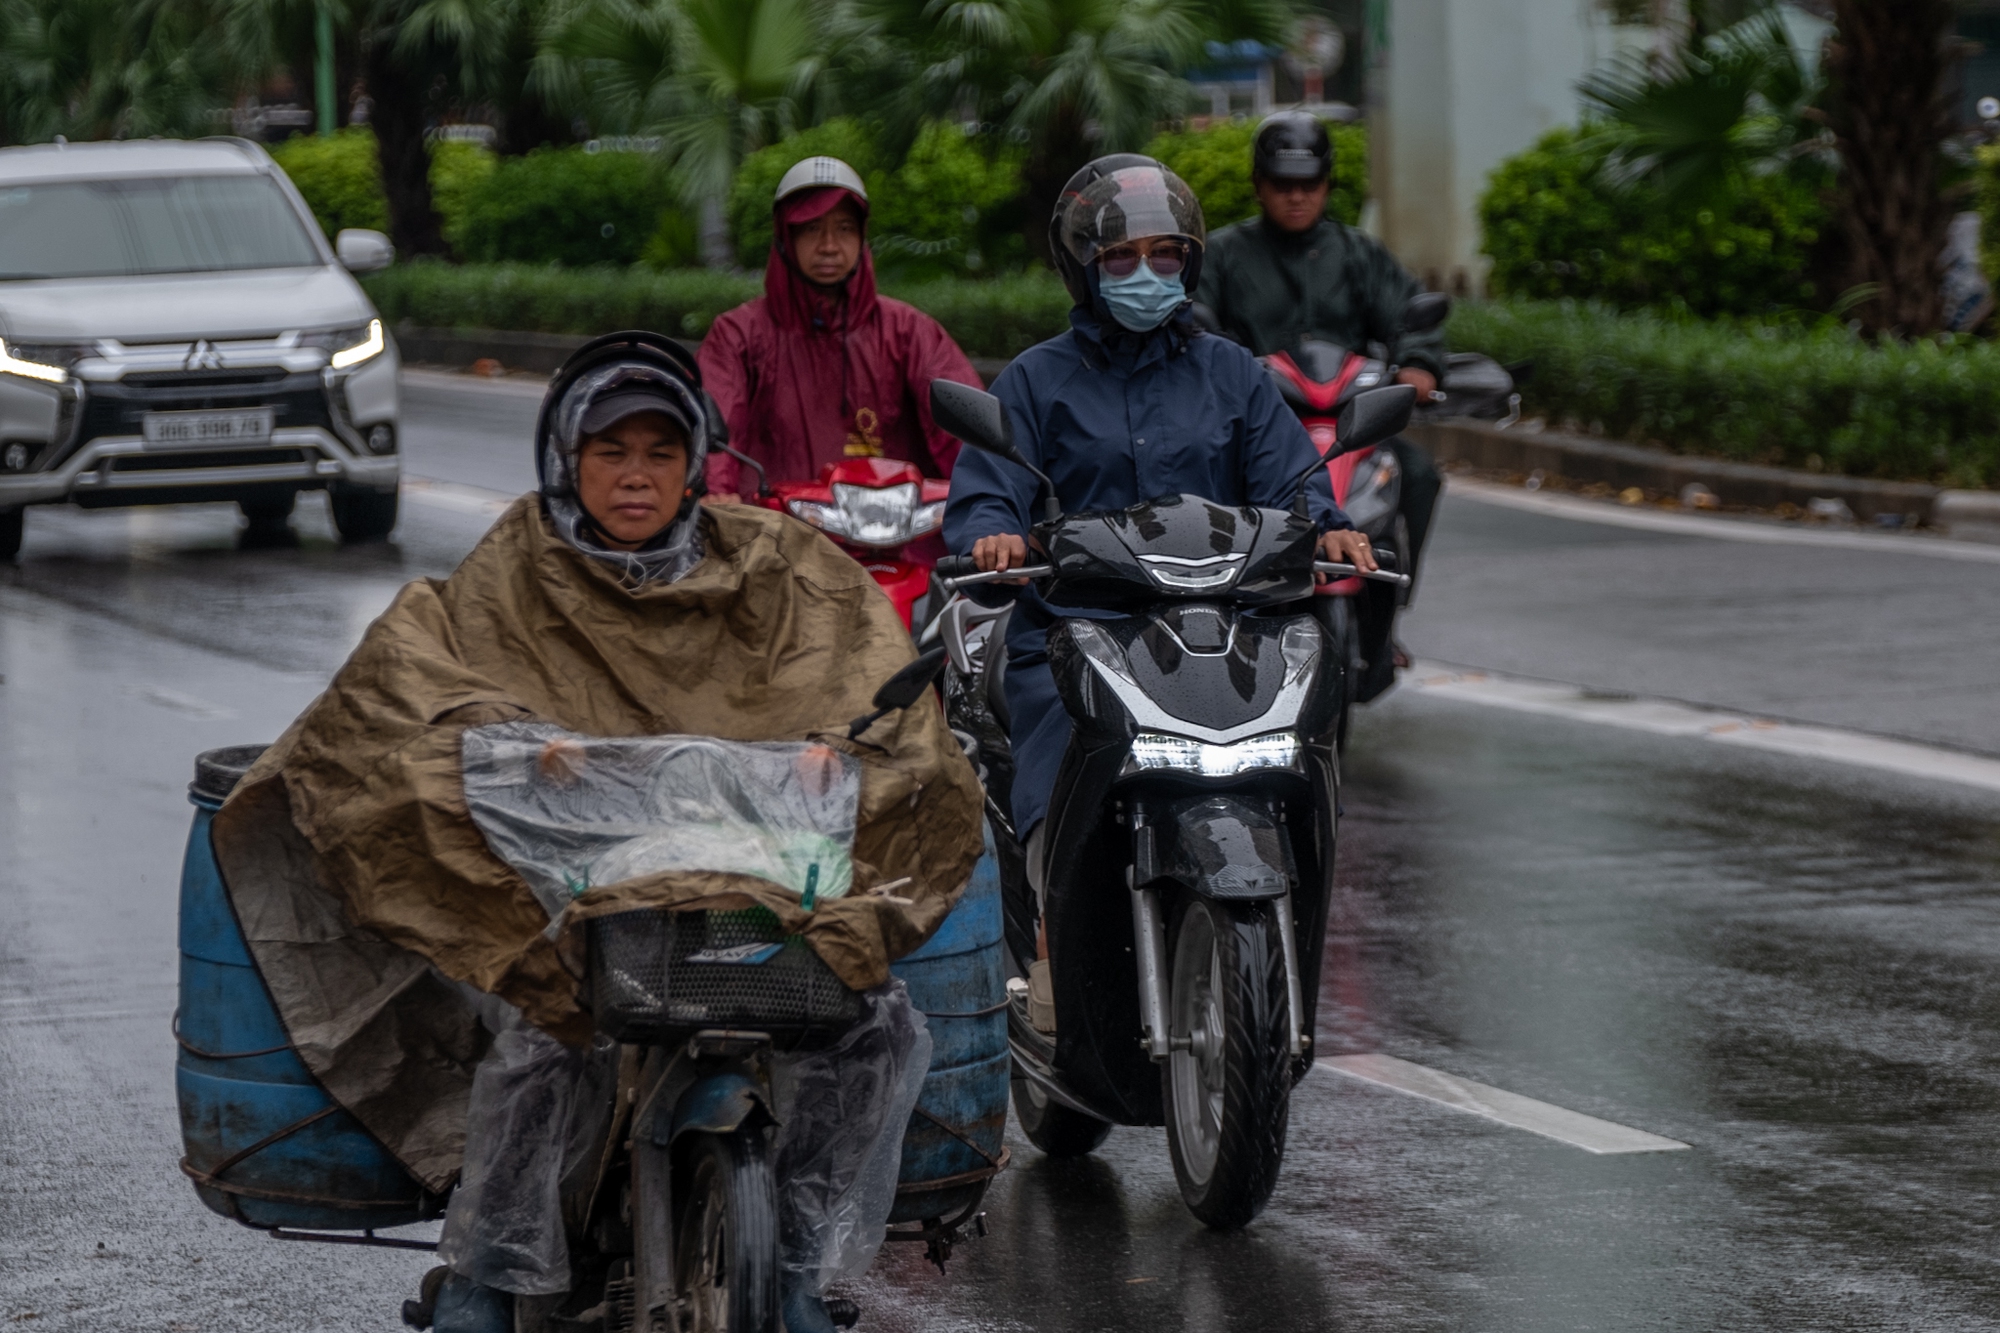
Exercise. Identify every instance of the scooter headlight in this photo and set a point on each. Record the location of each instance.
(884, 517)
(1152, 751)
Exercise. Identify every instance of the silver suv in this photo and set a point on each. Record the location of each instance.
(175, 327)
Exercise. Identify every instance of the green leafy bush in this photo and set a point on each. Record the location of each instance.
(944, 210)
(1924, 411)
(340, 177)
(562, 205)
(997, 317)
(1215, 163)
(1555, 230)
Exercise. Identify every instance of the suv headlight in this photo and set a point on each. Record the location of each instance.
(884, 516)
(1151, 751)
(349, 347)
(48, 364)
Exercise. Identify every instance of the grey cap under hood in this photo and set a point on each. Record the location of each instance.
(677, 549)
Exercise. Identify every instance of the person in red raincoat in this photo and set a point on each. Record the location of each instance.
(820, 368)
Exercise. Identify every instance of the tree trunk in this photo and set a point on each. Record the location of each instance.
(1058, 152)
(1888, 103)
(398, 95)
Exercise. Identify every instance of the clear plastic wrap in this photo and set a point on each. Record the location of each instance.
(840, 1140)
(570, 812)
(539, 1113)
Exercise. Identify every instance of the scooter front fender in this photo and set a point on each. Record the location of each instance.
(718, 1104)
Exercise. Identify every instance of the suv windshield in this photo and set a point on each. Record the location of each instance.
(169, 224)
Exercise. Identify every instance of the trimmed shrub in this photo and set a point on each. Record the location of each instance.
(1795, 397)
(1215, 163)
(944, 211)
(999, 317)
(1555, 230)
(562, 205)
(340, 177)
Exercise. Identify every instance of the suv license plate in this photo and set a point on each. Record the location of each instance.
(177, 430)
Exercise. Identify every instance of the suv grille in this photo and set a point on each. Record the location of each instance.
(116, 408)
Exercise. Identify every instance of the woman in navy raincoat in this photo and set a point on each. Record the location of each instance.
(1131, 404)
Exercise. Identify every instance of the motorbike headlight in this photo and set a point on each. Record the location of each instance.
(873, 516)
(349, 347)
(1152, 751)
(1377, 490)
(50, 365)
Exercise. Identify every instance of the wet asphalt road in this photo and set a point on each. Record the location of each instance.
(1786, 965)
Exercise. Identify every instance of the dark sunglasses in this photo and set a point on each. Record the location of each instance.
(1167, 260)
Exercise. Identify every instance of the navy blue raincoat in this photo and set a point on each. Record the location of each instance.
(1114, 420)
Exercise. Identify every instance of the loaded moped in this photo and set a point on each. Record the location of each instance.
(678, 1227)
(1190, 839)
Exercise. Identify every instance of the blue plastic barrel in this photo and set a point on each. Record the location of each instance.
(953, 1146)
(265, 1144)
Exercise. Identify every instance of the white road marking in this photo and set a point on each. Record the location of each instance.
(1664, 718)
(1572, 1127)
(455, 496)
(181, 703)
(1765, 531)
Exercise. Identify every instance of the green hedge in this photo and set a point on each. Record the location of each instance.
(997, 317)
(1555, 230)
(1215, 163)
(571, 206)
(1795, 397)
(340, 177)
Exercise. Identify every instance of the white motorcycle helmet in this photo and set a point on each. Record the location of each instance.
(816, 173)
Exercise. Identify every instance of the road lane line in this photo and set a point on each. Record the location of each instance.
(1663, 717)
(1765, 531)
(455, 496)
(1508, 1108)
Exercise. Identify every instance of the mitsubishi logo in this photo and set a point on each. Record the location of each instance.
(202, 356)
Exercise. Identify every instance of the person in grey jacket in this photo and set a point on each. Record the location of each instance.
(1293, 273)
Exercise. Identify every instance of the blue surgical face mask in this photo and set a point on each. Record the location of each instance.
(1142, 299)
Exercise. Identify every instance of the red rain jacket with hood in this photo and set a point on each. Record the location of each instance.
(805, 379)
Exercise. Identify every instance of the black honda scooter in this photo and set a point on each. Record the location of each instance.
(1189, 850)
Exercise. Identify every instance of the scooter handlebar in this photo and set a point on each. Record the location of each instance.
(955, 567)
(1022, 572)
(1349, 571)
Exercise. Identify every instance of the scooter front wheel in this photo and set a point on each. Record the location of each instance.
(1226, 1085)
(726, 1268)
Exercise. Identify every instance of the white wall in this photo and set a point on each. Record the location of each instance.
(1463, 85)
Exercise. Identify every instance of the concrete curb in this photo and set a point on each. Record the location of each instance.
(1579, 459)
(543, 353)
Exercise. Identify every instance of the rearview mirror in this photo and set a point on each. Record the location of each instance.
(901, 690)
(1372, 417)
(978, 418)
(363, 251)
(1426, 311)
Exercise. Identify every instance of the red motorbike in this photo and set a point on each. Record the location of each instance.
(881, 511)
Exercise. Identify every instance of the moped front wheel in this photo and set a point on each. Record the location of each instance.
(1226, 1088)
(726, 1268)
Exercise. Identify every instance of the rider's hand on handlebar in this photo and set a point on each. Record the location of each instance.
(1424, 382)
(1001, 551)
(1346, 548)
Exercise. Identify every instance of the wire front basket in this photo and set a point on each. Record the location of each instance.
(659, 976)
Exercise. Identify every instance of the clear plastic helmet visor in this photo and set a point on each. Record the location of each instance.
(1130, 205)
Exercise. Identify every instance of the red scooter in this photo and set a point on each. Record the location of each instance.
(881, 511)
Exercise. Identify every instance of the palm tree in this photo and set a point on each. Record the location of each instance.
(98, 69)
(715, 80)
(1071, 79)
(1889, 79)
(1686, 119)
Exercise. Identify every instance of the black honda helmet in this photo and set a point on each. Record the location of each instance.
(1292, 146)
(641, 356)
(1089, 210)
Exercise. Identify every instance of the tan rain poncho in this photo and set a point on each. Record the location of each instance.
(365, 889)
